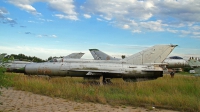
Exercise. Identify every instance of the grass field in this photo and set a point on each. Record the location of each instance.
(179, 93)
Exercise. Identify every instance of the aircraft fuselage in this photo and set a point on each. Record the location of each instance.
(176, 63)
(93, 68)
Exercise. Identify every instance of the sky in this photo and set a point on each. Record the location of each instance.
(45, 28)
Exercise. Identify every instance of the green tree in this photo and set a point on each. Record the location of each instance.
(2, 77)
(23, 57)
(50, 58)
(123, 56)
(5, 80)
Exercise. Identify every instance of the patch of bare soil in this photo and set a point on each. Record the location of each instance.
(15, 100)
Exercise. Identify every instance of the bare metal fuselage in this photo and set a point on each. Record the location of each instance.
(16, 66)
(176, 63)
(93, 68)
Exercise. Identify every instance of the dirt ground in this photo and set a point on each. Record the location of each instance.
(21, 101)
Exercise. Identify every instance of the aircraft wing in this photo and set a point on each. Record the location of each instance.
(97, 71)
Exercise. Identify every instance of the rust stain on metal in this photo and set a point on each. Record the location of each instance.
(107, 58)
(44, 71)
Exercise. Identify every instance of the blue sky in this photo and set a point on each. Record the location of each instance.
(46, 28)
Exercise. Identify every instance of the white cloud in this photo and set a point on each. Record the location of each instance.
(135, 15)
(183, 10)
(61, 16)
(147, 15)
(173, 31)
(185, 32)
(54, 36)
(196, 27)
(98, 19)
(152, 25)
(63, 6)
(126, 26)
(3, 11)
(107, 18)
(41, 36)
(31, 21)
(196, 33)
(48, 20)
(119, 9)
(149, 5)
(87, 16)
(25, 5)
(9, 19)
(28, 8)
(136, 31)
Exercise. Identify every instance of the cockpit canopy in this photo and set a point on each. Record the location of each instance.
(175, 57)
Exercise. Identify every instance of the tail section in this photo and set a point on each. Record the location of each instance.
(155, 54)
(99, 55)
(74, 55)
(195, 63)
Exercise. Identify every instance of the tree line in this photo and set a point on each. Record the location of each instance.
(22, 57)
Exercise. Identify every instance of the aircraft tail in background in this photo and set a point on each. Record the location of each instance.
(74, 55)
(195, 64)
(155, 54)
(99, 55)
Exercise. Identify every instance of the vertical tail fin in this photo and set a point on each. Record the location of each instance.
(75, 55)
(155, 54)
(99, 55)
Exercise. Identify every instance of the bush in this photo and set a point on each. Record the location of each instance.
(4, 80)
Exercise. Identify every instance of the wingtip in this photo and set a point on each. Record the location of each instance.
(173, 45)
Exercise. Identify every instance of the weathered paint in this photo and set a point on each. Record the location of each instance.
(176, 63)
(155, 54)
(18, 66)
(81, 69)
(131, 67)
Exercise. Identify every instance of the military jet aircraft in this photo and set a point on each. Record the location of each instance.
(18, 66)
(172, 62)
(175, 63)
(130, 68)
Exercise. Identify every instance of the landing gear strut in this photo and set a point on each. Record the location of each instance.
(103, 80)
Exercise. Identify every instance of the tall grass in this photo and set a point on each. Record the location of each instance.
(5, 80)
(178, 93)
